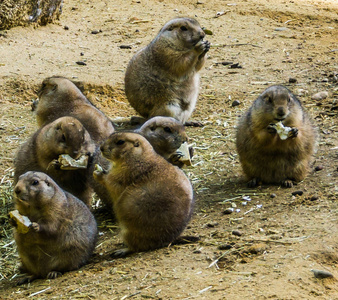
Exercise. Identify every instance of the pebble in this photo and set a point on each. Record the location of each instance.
(211, 224)
(125, 47)
(319, 168)
(314, 198)
(273, 196)
(321, 274)
(65, 27)
(228, 211)
(96, 31)
(224, 247)
(235, 103)
(81, 63)
(236, 232)
(292, 80)
(320, 96)
(280, 28)
(297, 193)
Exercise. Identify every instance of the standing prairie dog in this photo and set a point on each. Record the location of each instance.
(65, 135)
(162, 79)
(59, 97)
(62, 233)
(264, 154)
(152, 199)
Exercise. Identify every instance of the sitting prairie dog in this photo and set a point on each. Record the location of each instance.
(62, 233)
(65, 135)
(59, 97)
(162, 79)
(264, 156)
(166, 135)
(152, 199)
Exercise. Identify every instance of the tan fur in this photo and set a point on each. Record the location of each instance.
(63, 232)
(65, 135)
(152, 199)
(162, 79)
(60, 97)
(263, 155)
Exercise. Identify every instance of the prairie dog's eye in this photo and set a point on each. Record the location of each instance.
(183, 28)
(152, 128)
(289, 99)
(35, 182)
(167, 129)
(120, 142)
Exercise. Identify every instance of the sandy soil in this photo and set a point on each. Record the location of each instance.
(282, 238)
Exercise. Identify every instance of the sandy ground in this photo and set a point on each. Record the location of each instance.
(282, 238)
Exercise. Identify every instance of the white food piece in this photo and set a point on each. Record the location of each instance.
(282, 130)
(23, 223)
(69, 163)
(184, 151)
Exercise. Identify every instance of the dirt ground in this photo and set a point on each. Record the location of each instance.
(282, 238)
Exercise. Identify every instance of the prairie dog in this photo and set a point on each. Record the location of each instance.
(63, 232)
(162, 79)
(165, 134)
(65, 135)
(264, 156)
(152, 199)
(59, 97)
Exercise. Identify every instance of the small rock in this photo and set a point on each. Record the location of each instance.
(319, 168)
(292, 80)
(236, 232)
(273, 196)
(65, 27)
(228, 211)
(125, 47)
(320, 96)
(314, 198)
(224, 247)
(225, 63)
(197, 251)
(81, 53)
(81, 63)
(235, 103)
(96, 31)
(321, 274)
(235, 66)
(280, 28)
(211, 224)
(297, 193)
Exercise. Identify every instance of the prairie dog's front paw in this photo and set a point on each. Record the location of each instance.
(293, 132)
(271, 128)
(202, 46)
(35, 226)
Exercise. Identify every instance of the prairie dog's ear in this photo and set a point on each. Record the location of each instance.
(136, 144)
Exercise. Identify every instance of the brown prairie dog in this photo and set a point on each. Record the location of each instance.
(264, 156)
(65, 135)
(162, 79)
(63, 232)
(59, 97)
(152, 199)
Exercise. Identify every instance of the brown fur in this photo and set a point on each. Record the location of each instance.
(165, 134)
(162, 79)
(63, 232)
(60, 97)
(152, 199)
(65, 135)
(263, 155)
